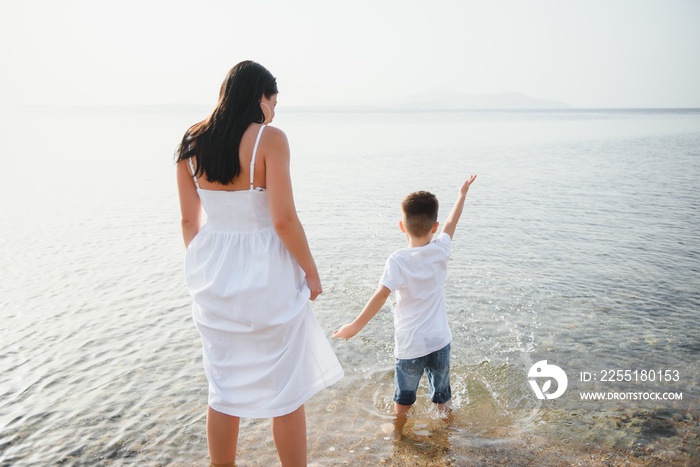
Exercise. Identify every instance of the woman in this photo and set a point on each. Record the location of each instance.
(250, 271)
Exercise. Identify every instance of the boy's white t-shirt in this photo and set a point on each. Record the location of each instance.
(417, 275)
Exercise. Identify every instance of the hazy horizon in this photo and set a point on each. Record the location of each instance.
(595, 54)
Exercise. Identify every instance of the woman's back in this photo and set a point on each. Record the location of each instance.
(242, 181)
(234, 207)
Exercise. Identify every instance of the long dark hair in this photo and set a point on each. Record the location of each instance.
(214, 142)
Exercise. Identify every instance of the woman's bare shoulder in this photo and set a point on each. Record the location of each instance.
(274, 133)
(274, 140)
(183, 164)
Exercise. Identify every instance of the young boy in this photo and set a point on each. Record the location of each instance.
(417, 274)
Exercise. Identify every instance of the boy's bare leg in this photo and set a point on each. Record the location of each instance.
(401, 412)
(222, 437)
(289, 434)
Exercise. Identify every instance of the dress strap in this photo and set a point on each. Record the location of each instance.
(194, 177)
(252, 159)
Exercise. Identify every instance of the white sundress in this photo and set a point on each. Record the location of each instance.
(264, 352)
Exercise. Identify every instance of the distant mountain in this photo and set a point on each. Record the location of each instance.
(448, 99)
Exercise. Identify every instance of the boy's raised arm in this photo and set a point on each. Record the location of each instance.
(372, 307)
(456, 212)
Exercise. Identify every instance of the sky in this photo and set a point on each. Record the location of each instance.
(587, 53)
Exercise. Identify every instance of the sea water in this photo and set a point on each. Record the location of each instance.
(578, 245)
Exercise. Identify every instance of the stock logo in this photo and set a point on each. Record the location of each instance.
(541, 370)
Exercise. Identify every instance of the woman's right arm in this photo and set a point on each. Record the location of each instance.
(282, 209)
(190, 205)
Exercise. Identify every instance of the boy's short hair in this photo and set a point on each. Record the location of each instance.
(420, 210)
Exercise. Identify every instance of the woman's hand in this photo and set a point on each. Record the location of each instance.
(313, 282)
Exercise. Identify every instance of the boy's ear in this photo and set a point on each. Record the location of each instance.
(403, 229)
(435, 226)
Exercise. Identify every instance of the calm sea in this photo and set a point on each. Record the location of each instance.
(578, 245)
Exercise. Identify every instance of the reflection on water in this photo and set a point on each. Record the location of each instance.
(578, 246)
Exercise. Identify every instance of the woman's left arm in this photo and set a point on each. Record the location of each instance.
(190, 205)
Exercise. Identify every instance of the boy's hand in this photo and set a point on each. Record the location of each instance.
(467, 183)
(346, 331)
(452, 219)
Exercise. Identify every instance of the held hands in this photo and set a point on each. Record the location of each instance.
(467, 183)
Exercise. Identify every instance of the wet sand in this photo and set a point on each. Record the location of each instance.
(645, 439)
(630, 438)
(653, 438)
(636, 438)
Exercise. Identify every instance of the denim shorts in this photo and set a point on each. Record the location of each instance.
(409, 372)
